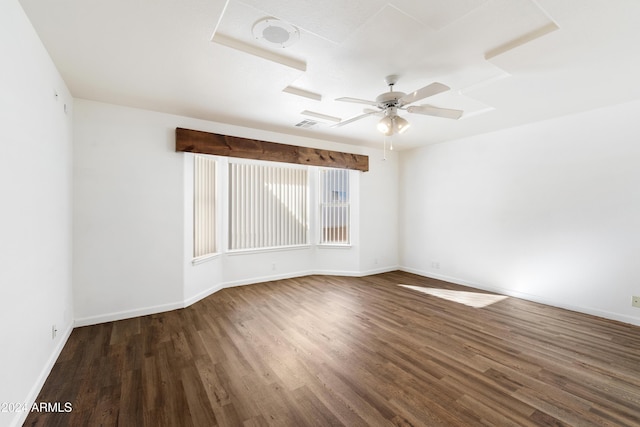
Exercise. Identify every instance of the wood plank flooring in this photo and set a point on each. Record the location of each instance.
(331, 351)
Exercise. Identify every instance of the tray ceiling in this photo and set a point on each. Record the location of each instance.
(508, 62)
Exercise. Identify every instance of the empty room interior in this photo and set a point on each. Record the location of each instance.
(291, 213)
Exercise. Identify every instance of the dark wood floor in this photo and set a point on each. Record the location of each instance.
(328, 351)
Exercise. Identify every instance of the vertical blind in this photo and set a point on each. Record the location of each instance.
(204, 206)
(334, 206)
(267, 206)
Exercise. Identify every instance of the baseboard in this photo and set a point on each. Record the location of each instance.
(127, 314)
(112, 317)
(270, 278)
(433, 275)
(202, 295)
(342, 273)
(377, 271)
(526, 296)
(20, 417)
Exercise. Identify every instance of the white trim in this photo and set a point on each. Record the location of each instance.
(529, 297)
(252, 49)
(378, 271)
(233, 252)
(339, 273)
(212, 290)
(127, 314)
(334, 246)
(110, 317)
(20, 417)
(262, 279)
(121, 315)
(202, 295)
(204, 258)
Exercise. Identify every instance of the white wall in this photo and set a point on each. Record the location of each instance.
(548, 211)
(132, 227)
(128, 214)
(35, 212)
(379, 212)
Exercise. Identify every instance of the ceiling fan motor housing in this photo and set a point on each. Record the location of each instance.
(389, 99)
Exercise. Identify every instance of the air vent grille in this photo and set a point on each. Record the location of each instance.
(306, 123)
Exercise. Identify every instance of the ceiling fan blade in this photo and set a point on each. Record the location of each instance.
(430, 110)
(427, 91)
(357, 101)
(353, 119)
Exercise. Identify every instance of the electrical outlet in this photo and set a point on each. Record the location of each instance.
(273, 266)
(635, 301)
(54, 332)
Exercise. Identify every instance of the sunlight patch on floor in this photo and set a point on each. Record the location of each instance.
(472, 299)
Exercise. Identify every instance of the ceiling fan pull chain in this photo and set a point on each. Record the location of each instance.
(384, 145)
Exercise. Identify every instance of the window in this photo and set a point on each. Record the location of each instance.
(267, 206)
(334, 206)
(260, 205)
(204, 205)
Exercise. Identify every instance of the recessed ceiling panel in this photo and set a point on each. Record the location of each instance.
(609, 38)
(455, 54)
(519, 22)
(333, 20)
(321, 116)
(234, 89)
(571, 69)
(386, 43)
(437, 13)
(458, 101)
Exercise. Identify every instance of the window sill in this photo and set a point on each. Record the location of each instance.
(335, 245)
(270, 249)
(204, 258)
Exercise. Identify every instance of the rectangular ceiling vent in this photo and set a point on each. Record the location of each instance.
(306, 123)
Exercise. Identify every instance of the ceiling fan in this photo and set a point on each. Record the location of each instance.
(389, 103)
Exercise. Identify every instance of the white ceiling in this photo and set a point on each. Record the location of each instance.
(508, 62)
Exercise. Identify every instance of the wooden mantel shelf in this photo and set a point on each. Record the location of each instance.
(194, 141)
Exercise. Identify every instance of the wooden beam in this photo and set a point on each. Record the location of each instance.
(194, 141)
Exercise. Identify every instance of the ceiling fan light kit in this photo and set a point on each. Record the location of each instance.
(400, 125)
(392, 123)
(385, 125)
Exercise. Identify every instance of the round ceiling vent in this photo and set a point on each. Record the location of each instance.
(275, 32)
